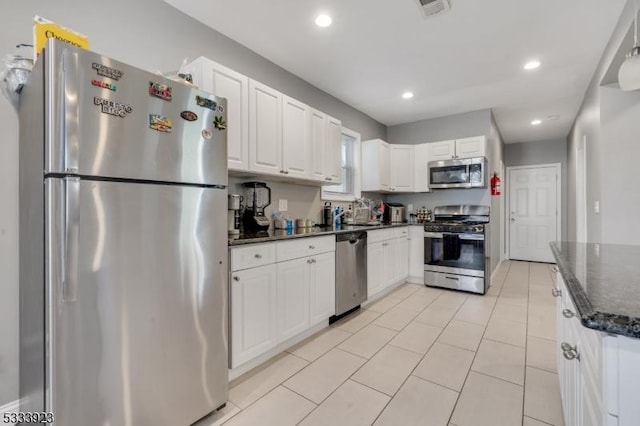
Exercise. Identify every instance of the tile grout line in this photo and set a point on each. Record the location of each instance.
(475, 353)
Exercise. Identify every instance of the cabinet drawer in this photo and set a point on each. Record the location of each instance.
(401, 232)
(302, 247)
(377, 236)
(252, 255)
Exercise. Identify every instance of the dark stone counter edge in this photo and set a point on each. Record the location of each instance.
(590, 318)
(270, 238)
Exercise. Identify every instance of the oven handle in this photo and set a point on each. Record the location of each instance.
(439, 235)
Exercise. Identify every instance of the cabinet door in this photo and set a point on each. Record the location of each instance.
(318, 136)
(253, 313)
(420, 169)
(402, 253)
(333, 151)
(391, 265)
(323, 287)
(470, 147)
(375, 268)
(444, 150)
(384, 163)
(293, 297)
(401, 167)
(295, 138)
(265, 129)
(226, 83)
(416, 254)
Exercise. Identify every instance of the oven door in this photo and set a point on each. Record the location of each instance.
(455, 253)
(455, 261)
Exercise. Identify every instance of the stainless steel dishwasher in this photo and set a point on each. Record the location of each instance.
(351, 271)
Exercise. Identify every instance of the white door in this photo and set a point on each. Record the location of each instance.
(533, 212)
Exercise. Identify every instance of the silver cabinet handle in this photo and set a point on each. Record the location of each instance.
(236, 278)
(313, 261)
(567, 313)
(513, 219)
(328, 178)
(556, 292)
(570, 352)
(309, 261)
(258, 256)
(71, 235)
(312, 247)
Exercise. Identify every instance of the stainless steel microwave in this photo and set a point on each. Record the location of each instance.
(459, 173)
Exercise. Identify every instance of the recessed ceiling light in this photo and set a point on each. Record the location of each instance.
(536, 122)
(532, 65)
(323, 20)
(407, 95)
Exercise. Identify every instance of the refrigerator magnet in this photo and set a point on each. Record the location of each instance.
(104, 85)
(105, 71)
(219, 123)
(189, 115)
(159, 90)
(206, 133)
(160, 123)
(111, 107)
(206, 103)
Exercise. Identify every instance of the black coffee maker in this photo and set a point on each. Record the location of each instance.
(257, 196)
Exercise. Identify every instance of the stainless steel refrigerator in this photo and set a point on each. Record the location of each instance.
(123, 244)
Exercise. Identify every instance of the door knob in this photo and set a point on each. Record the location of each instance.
(513, 219)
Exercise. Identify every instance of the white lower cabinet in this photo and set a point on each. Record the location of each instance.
(416, 254)
(273, 304)
(387, 259)
(599, 373)
(322, 287)
(293, 287)
(253, 313)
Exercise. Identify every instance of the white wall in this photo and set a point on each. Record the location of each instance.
(149, 34)
(588, 125)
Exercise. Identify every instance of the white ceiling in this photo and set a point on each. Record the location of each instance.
(467, 59)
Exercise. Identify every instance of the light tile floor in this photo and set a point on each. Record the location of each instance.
(419, 356)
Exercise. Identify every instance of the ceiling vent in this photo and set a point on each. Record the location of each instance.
(433, 7)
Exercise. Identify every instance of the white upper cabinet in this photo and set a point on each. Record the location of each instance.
(318, 136)
(420, 169)
(376, 166)
(459, 148)
(227, 83)
(471, 147)
(444, 150)
(333, 151)
(265, 129)
(401, 167)
(270, 133)
(295, 138)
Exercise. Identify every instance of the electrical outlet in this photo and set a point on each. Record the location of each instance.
(410, 208)
(596, 207)
(282, 205)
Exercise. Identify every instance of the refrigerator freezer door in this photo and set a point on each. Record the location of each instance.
(109, 119)
(143, 339)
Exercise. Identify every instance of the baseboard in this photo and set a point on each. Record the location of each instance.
(493, 274)
(11, 407)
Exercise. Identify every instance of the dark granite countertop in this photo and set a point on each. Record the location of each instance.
(604, 282)
(316, 231)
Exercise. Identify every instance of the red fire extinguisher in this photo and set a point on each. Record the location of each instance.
(495, 184)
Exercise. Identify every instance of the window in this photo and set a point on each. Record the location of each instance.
(349, 189)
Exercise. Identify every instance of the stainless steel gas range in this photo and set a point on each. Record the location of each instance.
(456, 253)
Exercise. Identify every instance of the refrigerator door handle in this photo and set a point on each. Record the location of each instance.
(71, 111)
(71, 229)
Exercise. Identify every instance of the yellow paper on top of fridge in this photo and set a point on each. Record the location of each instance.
(43, 29)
